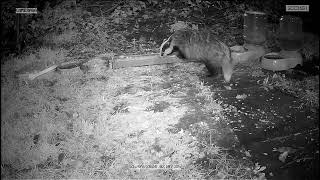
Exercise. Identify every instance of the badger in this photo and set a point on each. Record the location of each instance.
(201, 46)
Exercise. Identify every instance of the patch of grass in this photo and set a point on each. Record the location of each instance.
(82, 127)
(307, 89)
(32, 61)
(310, 48)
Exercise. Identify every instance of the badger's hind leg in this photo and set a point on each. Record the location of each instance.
(216, 71)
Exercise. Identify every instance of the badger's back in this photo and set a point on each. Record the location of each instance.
(203, 46)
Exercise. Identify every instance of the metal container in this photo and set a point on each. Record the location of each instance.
(290, 33)
(254, 27)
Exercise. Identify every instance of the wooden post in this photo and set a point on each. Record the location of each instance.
(19, 21)
(17, 27)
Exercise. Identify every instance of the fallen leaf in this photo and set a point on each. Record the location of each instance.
(283, 156)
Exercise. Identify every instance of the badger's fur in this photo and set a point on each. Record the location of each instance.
(201, 46)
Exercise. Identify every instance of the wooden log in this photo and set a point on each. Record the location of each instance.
(146, 60)
(32, 76)
(115, 63)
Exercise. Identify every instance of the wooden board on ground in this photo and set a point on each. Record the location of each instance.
(155, 59)
(144, 60)
(64, 65)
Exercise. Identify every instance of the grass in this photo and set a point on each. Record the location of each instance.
(306, 90)
(106, 125)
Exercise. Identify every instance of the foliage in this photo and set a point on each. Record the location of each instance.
(310, 48)
(63, 17)
(7, 15)
(307, 90)
(122, 19)
(126, 9)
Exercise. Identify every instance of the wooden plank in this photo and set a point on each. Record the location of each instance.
(32, 76)
(155, 59)
(146, 60)
(71, 64)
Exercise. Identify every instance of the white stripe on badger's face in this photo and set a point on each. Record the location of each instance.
(168, 51)
(164, 42)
